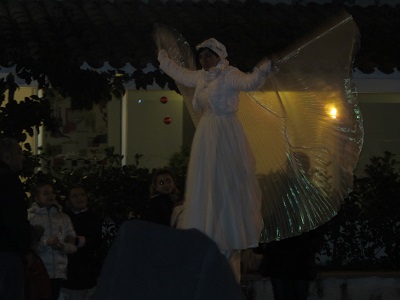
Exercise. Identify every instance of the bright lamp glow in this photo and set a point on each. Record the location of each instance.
(333, 112)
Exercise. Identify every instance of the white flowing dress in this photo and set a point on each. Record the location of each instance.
(222, 195)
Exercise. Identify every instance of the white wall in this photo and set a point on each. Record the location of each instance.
(379, 101)
(381, 126)
(144, 130)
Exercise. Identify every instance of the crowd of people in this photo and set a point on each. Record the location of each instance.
(48, 248)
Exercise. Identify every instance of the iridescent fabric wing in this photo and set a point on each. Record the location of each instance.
(305, 129)
(179, 51)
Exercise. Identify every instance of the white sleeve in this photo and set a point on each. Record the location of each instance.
(176, 72)
(248, 81)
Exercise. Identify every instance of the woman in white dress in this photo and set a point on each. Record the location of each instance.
(222, 198)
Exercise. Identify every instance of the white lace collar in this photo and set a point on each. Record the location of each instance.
(215, 71)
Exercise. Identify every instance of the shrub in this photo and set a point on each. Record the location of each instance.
(365, 235)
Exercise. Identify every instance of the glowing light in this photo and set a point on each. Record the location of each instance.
(139, 101)
(333, 112)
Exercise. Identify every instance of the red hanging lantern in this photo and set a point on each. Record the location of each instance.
(164, 99)
(167, 120)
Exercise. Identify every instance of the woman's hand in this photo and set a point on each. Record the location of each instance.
(162, 54)
(263, 62)
(265, 66)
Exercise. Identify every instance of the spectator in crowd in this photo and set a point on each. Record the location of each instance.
(291, 265)
(14, 226)
(164, 197)
(83, 265)
(153, 261)
(58, 238)
(291, 262)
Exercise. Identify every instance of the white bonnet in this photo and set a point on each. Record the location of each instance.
(215, 46)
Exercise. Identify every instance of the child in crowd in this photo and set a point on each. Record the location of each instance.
(58, 238)
(83, 265)
(164, 203)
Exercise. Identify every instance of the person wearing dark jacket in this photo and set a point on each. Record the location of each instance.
(164, 197)
(291, 265)
(290, 262)
(152, 261)
(83, 266)
(15, 238)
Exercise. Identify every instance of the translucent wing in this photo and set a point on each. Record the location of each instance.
(179, 51)
(305, 129)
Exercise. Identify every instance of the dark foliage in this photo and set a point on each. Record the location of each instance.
(365, 235)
